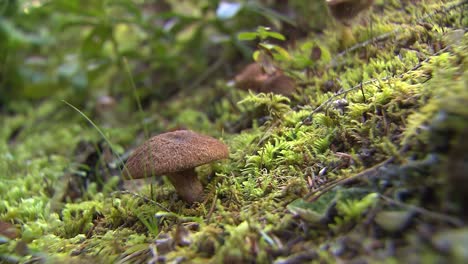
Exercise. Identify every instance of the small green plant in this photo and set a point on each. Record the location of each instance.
(150, 222)
(262, 33)
(266, 51)
(351, 210)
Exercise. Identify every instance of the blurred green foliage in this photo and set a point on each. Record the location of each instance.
(79, 46)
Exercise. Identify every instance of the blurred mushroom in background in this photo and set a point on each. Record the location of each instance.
(256, 79)
(105, 109)
(345, 11)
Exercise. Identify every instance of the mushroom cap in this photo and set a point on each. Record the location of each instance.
(8, 230)
(254, 78)
(173, 152)
(345, 10)
(279, 84)
(251, 77)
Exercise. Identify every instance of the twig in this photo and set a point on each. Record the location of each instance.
(366, 43)
(449, 219)
(365, 173)
(212, 207)
(360, 85)
(329, 100)
(154, 254)
(134, 257)
(143, 198)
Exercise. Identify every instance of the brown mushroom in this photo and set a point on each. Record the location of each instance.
(345, 10)
(8, 230)
(254, 78)
(251, 78)
(176, 154)
(105, 103)
(279, 84)
(105, 110)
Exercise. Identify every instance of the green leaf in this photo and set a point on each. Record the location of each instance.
(266, 46)
(314, 212)
(282, 53)
(93, 43)
(247, 36)
(256, 55)
(18, 36)
(279, 52)
(275, 35)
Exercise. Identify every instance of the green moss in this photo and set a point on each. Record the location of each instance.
(77, 218)
(352, 210)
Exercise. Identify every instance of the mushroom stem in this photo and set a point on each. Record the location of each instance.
(187, 185)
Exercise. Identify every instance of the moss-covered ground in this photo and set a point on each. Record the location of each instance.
(366, 162)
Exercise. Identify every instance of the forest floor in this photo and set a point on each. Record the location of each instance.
(366, 162)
